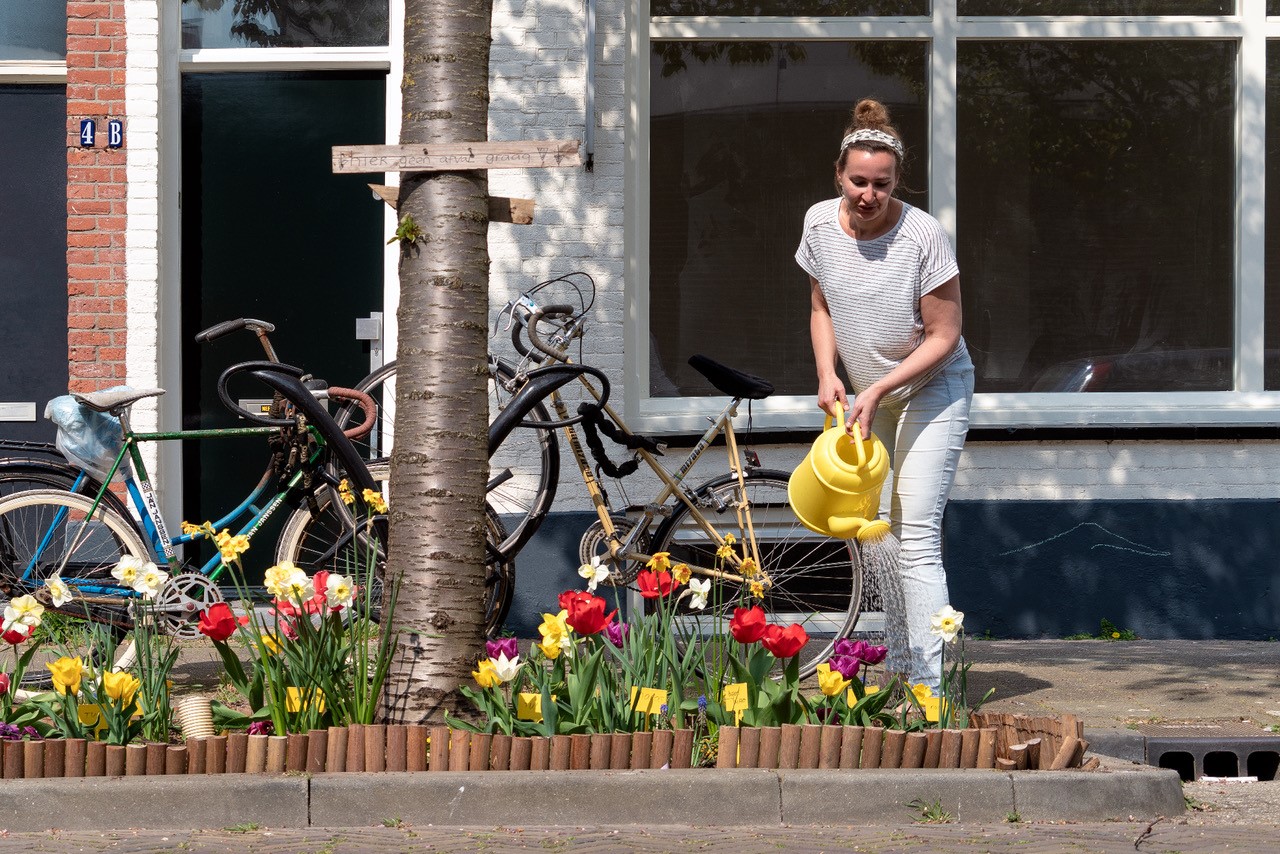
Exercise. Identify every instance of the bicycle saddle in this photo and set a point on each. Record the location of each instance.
(731, 381)
(118, 397)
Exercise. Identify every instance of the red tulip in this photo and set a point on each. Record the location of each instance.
(16, 635)
(784, 643)
(586, 615)
(217, 622)
(568, 597)
(4, 683)
(748, 624)
(653, 584)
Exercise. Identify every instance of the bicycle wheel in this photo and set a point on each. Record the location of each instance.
(18, 474)
(329, 539)
(46, 531)
(809, 579)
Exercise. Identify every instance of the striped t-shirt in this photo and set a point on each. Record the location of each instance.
(873, 289)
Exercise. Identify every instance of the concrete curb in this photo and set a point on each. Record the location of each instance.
(725, 798)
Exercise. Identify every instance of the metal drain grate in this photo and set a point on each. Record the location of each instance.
(1213, 748)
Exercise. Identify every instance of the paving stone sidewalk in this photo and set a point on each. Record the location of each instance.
(1026, 838)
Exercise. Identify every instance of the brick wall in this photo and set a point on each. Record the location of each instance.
(96, 189)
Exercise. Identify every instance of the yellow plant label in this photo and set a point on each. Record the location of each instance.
(296, 699)
(867, 690)
(734, 697)
(648, 701)
(91, 716)
(529, 707)
(933, 707)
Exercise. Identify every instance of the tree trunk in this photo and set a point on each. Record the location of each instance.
(439, 465)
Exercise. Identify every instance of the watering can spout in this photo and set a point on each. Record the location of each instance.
(845, 527)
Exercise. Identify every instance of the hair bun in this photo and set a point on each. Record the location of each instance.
(869, 113)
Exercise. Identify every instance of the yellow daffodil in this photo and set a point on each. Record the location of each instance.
(121, 686)
(231, 546)
(67, 673)
(375, 501)
(831, 681)
(276, 579)
(681, 573)
(946, 623)
(59, 593)
(922, 692)
(205, 530)
(749, 569)
(557, 637)
(272, 643)
(23, 611)
(757, 589)
(659, 562)
(487, 675)
(344, 492)
(725, 551)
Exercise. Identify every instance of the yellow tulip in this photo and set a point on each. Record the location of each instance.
(831, 681)
(922, 692)
(487, 675)
(555, 633)
(272, 643)
(67, 673)
(121, 686)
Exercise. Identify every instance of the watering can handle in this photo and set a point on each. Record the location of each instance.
(859, 443)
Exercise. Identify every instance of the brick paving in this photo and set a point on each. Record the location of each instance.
(1027, 838)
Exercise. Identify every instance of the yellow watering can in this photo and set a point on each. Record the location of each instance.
(836, 490)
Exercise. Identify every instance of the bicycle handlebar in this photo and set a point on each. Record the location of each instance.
(366, 404)
(228, 326)
(531, 326)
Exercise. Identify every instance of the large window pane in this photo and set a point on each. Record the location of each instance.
(33, 29)
(1097, 7)
(744, 139)
(1096, 214)
(792, 8)
(284, 23)
(1272, 333)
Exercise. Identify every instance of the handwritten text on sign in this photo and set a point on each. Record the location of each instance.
(455, 156)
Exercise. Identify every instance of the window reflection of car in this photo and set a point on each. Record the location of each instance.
(1159, 370)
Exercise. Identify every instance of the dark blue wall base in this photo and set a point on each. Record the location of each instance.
(1027, 569)
(1162, 569)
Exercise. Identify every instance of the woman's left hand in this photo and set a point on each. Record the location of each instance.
(865, 404)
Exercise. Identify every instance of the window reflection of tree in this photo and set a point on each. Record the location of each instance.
(304, 23)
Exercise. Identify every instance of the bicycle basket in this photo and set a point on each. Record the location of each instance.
(88, 439)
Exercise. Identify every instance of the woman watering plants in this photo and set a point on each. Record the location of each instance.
(885, 298)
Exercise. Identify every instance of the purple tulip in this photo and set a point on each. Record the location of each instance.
(509, 647)
(845, 665)
(844, 646)
(261, 728)
(617, 633)
(874, 654)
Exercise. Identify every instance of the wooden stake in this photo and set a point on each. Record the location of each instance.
(277, 748)
(620, 750)
(950, 749)
(872, 741)
(1018, 753)
(560, 751)
(1003, 764)
(73, 765)
(913, 750)
(33, 759)
(682, 748)
(850, 746)
(748, 747)
(95, 759)
(500, 757)
(481, 744)
(55, 757)
(135, 760)
(789, 747)
(727, 754)
(116, 760)
(195, 756)
(599, 752)
(661, 755)
(642, 746)
(459, 750)
(969, 739)
(215, 760)
(1093, 764)
(237, 752)
(175, 759)
(810, 746)
(540, 754)
(933, 748)
(375, 747)
(987, 747)
(416, 748)
(891, 753)
(521, 751)
(1066, 753)
(12, 759)
(397, 747)
(439, 750)
(829, 747)
(317, 750)
(1033, 753)
(255, 754)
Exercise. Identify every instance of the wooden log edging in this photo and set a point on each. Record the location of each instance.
(994, 741)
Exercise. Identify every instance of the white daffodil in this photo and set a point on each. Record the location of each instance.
(700, 588)
(339, 591)
(126, 571)
(59, 592)
(946, 623)
(505, 668)
(297, 586)
(276, 579)
(593, 572)
(150, 579)
(24, 611)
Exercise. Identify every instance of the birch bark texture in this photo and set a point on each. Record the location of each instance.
(439, 463)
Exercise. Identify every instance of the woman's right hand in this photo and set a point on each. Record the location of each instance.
(829, 393)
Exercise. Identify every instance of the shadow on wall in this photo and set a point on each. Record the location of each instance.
(1162, 569)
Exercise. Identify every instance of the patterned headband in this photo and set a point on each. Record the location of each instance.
(872, 135)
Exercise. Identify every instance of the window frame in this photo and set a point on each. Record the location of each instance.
(1249, 28)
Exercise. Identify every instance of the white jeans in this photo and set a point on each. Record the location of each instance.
(924, 437)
